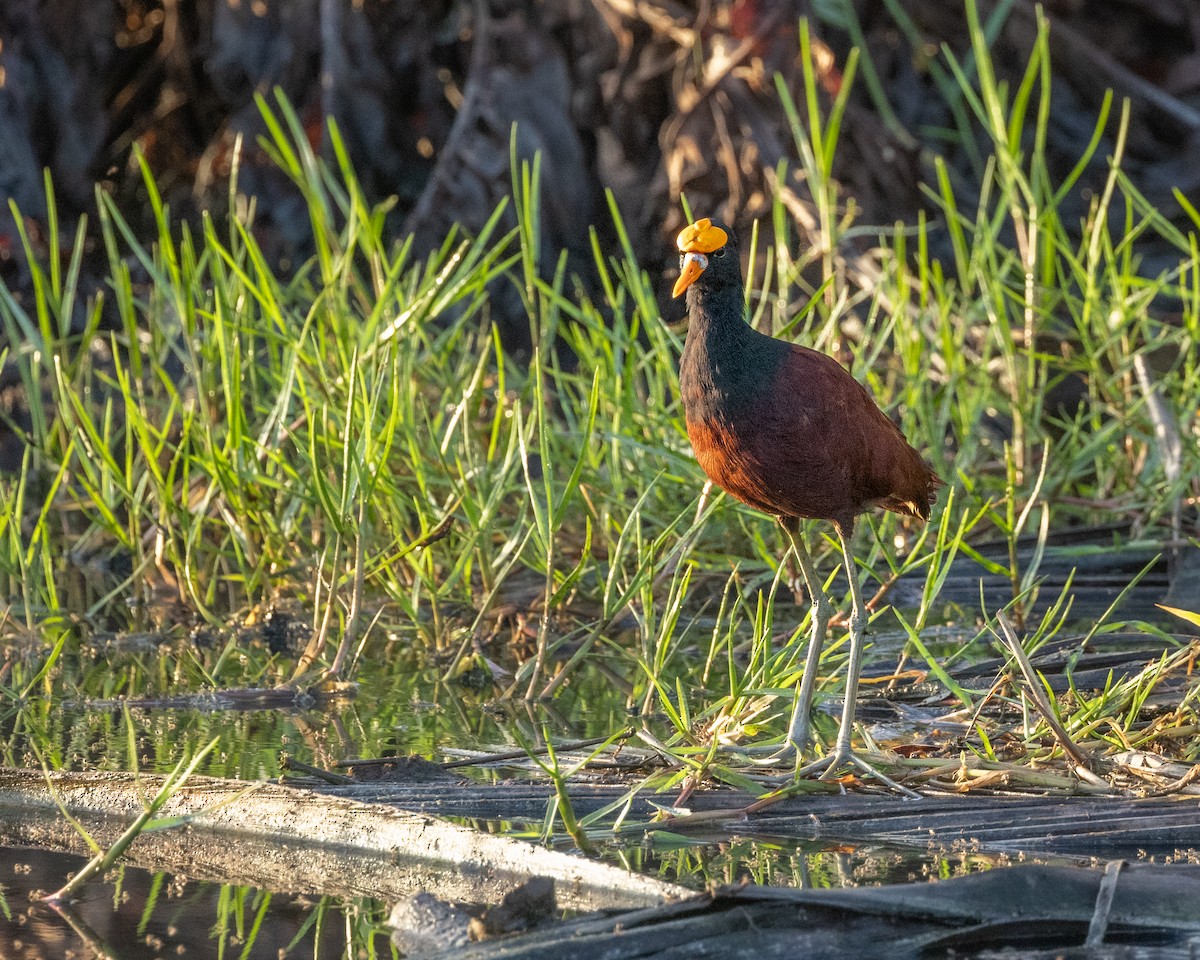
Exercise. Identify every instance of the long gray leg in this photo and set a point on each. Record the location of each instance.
(858, 620)
(842, 754)
(798, 728)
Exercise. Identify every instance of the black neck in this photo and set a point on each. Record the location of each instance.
(717, 316)
(724, 360)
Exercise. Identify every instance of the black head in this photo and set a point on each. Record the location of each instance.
(708, 255)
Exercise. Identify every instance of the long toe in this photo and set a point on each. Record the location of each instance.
(821, 766)
(791, 754)
(828, 766)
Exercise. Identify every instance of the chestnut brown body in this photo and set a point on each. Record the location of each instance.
(809, 442)
(784, 428)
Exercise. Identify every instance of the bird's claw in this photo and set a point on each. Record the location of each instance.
(845, 757)
(792, 752)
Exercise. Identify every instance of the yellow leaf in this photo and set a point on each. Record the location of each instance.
(1188, 615)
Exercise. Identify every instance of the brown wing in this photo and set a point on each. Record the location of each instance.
(826, 450)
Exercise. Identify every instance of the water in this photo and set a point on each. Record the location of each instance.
(135, 914)
(141, 913)
(402, 707)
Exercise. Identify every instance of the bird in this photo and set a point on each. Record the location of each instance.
(789, 431)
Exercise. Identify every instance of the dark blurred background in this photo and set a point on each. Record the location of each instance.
(646, 98)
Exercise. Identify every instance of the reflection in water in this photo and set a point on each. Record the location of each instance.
(137, 914)
(817, 864)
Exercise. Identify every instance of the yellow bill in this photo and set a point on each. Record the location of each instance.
(693, 265)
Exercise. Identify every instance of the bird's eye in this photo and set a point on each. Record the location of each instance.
(682, 258)
(719, 253)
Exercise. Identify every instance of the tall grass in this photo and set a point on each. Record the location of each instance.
(351, 436)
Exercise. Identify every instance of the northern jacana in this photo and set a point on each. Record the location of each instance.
(790, 432)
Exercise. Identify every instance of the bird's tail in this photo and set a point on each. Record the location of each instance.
(921, 500)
